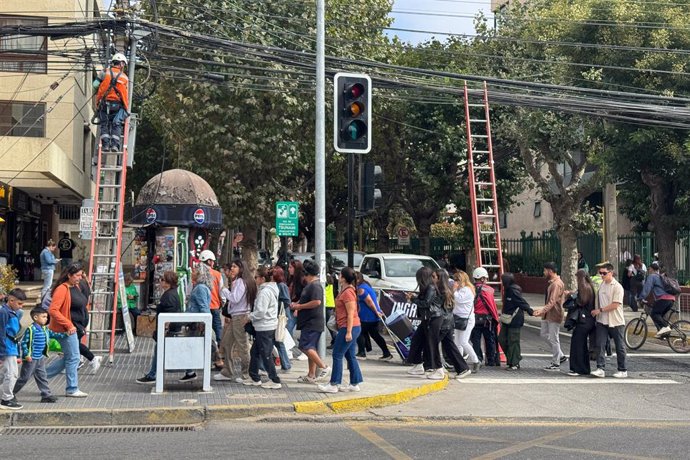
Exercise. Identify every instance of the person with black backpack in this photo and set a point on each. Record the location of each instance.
(663, 300)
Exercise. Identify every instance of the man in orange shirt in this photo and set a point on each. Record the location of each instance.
(112, 100)
(209, 258)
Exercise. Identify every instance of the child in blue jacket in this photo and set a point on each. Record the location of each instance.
(9, 349)
(35, 352)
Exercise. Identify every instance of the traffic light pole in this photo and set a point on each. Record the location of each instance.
(320, 195)
(350, 209)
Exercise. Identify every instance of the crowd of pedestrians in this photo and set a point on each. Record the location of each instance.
(461, 327)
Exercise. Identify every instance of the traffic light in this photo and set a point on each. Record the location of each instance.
(369, 196)
(352, 113)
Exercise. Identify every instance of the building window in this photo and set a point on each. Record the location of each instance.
(16, 50)
(25, 119)
(537, 209)
(502, 219)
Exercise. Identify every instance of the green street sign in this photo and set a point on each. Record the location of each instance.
(287, 218)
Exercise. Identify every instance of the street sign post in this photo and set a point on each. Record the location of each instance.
(287, 218)
(403, 236)
(86, 219)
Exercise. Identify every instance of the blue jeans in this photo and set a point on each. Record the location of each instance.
(154, 362)
(69, 362)
(47, 281)
(282, 353)
(217, 324)
(291, 322)
(343, 349)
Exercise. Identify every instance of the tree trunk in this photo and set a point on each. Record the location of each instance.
(664, 229)
(568, 238)
(382, 238)
(249, 247)
(424, 232)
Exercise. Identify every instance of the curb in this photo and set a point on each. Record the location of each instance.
(201, 414)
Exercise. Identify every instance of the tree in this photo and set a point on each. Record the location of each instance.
(246, 124)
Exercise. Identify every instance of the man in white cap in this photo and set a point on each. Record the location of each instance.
(112, 101)
(208, 258)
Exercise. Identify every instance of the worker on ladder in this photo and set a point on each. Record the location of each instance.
(112, 101)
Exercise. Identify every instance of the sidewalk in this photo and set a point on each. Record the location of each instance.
(115, 397)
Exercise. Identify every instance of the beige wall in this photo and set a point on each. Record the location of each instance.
(521, 217)
(56, 161)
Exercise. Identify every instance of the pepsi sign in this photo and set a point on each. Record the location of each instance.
(199, 216)
(151, 215)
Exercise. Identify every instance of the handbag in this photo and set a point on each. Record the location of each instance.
(282, 324)
(506, 318)
(482, 320)
(460, 322)
(249, 328)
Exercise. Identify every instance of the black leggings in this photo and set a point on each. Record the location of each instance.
(424, 346)
(83, 349)
(371, 329)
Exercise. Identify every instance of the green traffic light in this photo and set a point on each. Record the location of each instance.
(355, 130)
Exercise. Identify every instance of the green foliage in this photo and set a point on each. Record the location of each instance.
(8, 277)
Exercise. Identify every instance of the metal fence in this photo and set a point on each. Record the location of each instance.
(528, 254)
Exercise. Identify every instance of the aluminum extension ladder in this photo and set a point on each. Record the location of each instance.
(106, 245)
(482, 182)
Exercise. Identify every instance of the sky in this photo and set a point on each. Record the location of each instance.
(456, 25)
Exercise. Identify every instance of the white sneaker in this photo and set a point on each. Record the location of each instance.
(96, 364)
(621, 375)
(270, 385)
(350, 388)
(324, 373)
(222, 378)
(328, 388)
(417, 369)
(252, 383)
(598, 373)
(662, 332)
(463, 374)
(438, 374)
(76, 394)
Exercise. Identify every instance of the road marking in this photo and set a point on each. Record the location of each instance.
(565, 381)
(594, 452)
(628, 355)
(452, 435)
(519, 447)
(392, 451)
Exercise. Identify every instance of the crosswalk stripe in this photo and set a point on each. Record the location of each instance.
(558, 380)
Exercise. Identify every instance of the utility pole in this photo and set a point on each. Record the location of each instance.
(611, 224)
(320, 224)
(350, 209)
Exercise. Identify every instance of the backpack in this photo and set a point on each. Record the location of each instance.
(670, 285)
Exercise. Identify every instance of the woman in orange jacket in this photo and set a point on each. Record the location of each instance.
(66, 295)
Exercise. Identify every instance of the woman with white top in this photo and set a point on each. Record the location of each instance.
(463, 295)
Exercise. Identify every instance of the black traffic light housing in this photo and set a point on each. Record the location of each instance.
(370, 196)
(352, 113)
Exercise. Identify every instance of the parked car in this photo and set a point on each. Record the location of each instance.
(394, 271)
(337, 259)
(302, 256)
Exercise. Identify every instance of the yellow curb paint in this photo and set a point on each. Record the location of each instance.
(399, 397)
(311, 407)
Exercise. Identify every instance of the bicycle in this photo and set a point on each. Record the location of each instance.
(678, 338)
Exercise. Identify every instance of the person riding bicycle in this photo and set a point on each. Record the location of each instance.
(663, 301)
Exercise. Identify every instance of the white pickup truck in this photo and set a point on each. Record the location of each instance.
(394, 271)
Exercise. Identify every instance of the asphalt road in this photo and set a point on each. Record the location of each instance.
(482, 439)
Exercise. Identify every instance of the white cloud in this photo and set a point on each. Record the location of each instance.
(455, 25)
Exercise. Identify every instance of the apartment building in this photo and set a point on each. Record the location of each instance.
(46, 139)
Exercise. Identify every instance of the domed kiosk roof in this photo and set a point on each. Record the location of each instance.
(177, 198)
(177, 186)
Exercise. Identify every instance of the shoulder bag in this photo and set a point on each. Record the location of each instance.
(460, 322)
(282, 322)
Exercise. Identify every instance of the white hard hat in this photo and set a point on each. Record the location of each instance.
(207, 255)
(479, 273)
(118, 57)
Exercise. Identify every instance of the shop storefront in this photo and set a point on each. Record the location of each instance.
(5, 199)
